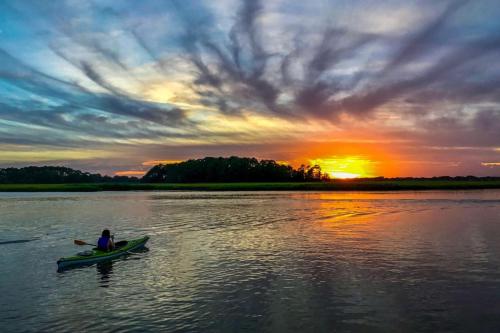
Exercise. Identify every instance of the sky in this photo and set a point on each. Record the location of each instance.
(362, 88)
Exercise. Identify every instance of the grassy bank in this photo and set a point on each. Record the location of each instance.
(340, 185)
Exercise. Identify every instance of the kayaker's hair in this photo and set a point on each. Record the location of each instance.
(106, 233)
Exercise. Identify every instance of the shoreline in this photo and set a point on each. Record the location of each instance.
(340, 185)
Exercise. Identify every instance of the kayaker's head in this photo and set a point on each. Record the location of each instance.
(106, 233)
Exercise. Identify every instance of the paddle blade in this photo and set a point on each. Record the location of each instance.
(80, 242)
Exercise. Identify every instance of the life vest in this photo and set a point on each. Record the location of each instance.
(102, 243)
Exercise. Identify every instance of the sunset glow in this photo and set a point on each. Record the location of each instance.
(344, 175)
(346, 167)
(130, 173)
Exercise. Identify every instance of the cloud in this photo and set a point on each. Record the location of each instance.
(130, 173)
(20, 75)
(237, 73)
(248, 74)
(419, 43)
(491, 164)
(481, 130)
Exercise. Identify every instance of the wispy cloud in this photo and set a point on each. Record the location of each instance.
(491, 164)
(239, 71)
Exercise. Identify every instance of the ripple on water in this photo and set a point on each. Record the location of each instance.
(251, 262)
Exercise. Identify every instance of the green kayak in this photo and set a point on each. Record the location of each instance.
(94, 256)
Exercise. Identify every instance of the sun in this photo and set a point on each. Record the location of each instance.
(346, 167)
(343, 175)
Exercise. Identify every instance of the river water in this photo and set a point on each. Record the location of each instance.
(254, 262)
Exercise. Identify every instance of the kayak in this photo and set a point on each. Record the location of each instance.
(93, 256)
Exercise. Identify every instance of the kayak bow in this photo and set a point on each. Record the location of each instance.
(94, 256)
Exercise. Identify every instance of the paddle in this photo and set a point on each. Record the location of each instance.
(80, 242)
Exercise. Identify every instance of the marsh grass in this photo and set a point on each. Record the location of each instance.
(336, 185)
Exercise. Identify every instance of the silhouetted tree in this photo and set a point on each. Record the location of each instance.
(313, 173)
(55, 175)
(231, 169)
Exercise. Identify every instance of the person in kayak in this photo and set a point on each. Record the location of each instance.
(105, 242)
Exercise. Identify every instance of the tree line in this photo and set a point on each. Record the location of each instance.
(208, 169)
(231, 169)
(55, 175)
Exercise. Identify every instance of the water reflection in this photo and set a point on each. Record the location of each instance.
(16, 241)
(259, 262)
(104, 270)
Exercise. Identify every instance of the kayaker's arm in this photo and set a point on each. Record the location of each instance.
(111, 245)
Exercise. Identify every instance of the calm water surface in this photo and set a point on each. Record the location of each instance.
(255, 262)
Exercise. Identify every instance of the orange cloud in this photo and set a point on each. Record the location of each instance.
(491, 164)
(130, 173)
(156, 162)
